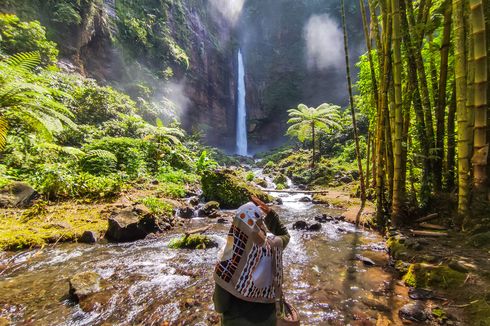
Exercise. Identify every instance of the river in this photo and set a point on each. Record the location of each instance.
(147, 283)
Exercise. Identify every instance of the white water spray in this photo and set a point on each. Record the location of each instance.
(241, 122)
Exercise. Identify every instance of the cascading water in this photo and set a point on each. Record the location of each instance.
(241, 129)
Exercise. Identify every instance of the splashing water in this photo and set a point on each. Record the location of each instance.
(241, 129)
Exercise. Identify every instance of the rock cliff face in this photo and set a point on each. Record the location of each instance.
(185, 50)
(293, 54)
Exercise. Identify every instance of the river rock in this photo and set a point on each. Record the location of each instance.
(88, 237)
(300, 225)
(414, 312)
(83, 285)
(210, 207)
(323, 218)
(17, 194)
(186, 212)
(131, 223)
(315, 227)
(278, 201)
(366, 261)
(305, 199)
(194, 201)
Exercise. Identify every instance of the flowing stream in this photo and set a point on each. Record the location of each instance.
(241, 123)
(146, 283)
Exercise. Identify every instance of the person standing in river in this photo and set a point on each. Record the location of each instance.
(250, 267)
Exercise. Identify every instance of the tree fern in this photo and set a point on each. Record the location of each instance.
(24, 98)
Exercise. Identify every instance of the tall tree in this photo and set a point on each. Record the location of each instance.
(441, 98)
(306, 121)
(479, 159)
(398, 187)
(352, 108)
(460, 77)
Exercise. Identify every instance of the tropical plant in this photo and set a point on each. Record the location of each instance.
(306, 121)
(31, 103)
(204, 163)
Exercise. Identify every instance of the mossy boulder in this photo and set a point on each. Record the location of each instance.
(480, 240)
(261, 182)
(423, 275)
(397, 248)
(193, 241)
(280, 179)
(229, 189)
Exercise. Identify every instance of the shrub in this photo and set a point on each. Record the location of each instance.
(60, 181)
(134, 156)
(99, 162)
(157, 206)
(172, 190)
(250, 176)
(168, 174)
(17, 36)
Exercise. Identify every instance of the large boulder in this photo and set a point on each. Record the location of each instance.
(131, 223)
(17, 194)
(229, 189)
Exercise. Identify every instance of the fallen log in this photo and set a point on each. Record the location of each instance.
(429, 233)
(433, 226)
(199, 230)
(427, 218)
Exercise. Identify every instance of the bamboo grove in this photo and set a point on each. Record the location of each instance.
(423, 83)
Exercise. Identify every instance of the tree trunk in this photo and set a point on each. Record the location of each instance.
(460, 75)
(441, 99)
(480, 147)
(417, 105)
(422, 79)
(313, 145)
(451, 143)
(398, 187)
(351, 99)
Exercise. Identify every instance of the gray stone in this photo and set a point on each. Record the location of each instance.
(305, 199)
(300, 225)
(83, 285)
(414, 312)
(130, 224)
(194, 201)
(89, 237)
(315, 227)
(186, 212)
(17, 194)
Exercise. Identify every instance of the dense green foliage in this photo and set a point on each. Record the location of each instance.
(70, 137)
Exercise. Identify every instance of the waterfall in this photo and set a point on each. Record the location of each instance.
(241, 121)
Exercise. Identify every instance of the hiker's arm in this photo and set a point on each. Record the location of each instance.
(276, 227)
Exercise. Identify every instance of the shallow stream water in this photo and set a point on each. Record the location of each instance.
(147, 283)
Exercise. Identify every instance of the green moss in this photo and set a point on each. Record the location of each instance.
(424, 275)
(65, 222)
(231, 191)
(193, 241)
(397, 248)
(481, 240)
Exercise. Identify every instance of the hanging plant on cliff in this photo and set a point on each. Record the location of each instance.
(307, 121)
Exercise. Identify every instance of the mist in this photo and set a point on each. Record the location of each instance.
(229, 9)
(324, 43)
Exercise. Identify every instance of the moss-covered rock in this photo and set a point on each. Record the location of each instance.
(193, 241)
(397, 248)
(231, 191)
(261, 182)
(480, 240)
(430, 276)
